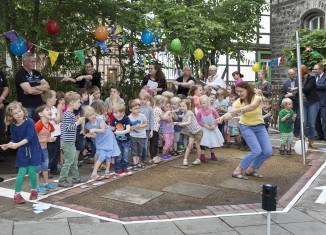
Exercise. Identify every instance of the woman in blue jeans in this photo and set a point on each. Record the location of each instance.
(310, 104)
(253, 130)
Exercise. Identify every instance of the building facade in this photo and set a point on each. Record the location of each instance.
(288, 16)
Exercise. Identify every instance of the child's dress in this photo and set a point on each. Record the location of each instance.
(29, 154)
(104, 141)
(211, 138)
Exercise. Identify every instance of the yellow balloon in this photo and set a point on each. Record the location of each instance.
(255, 67)
(199, 54)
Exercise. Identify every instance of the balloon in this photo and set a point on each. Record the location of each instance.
(255, 67)
(298, 149)
(101, 33)
(199, 54)
(147, 37)
(19, 47)
(52, 27)
(176, 44)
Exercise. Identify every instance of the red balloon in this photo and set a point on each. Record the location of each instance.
(52, 27)
(101, 33)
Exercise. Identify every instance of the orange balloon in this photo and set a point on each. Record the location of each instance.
(101, 33)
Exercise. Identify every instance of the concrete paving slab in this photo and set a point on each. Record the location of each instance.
(166, 228)
(318, 215)
(191, 189)
(134, 195)
(261, 229)
(83, 220)
(66, 214)
(6, 204)
(293, 216)
(245, 220)
(244, 185)
(102, 228)
(48, 228)
(306, 228)
(6, 227)
(206, 226)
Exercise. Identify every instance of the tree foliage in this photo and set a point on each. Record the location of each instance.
(214, 26)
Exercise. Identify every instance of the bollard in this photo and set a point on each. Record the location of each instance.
(269, 195)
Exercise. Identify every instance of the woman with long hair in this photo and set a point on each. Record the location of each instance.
(155, 75)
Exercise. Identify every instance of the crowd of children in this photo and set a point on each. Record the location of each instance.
(70, 122)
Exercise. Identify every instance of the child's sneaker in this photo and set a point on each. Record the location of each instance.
(174, 153)
(107, 175)
(213, 157)
(18, 199)
(127, 172)
(33, 195)
(120, 173)
(65, 184)
(79, 180)
(41, 190)
(134, 167)
(141, 165)
(156, 160)
(203, 158)
(96, 177)
(50, 186)
(166, 157)
(185, 162)
(181, 148)
(196, 162)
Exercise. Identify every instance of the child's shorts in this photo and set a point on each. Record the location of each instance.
(45, 162)
(177, 137)
(232, 130)
(198, 136)
(286, 138)
(137, 146)
(104, 155)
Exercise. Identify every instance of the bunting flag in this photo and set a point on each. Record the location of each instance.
(29, 46)
(283, 59)
(103, 46)
(80, 55)
(53, 57)
(118, 30)
(149, 59)
(11, 35)
(140, 59)
(153, 54)
(144, 62)
(130, 50)
(124, 40)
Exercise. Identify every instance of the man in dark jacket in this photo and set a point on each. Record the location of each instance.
(321, 91)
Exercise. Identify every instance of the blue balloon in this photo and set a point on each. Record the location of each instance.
(147, 37)
(19, 47)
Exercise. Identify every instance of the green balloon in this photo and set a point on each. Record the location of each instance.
(176, 44)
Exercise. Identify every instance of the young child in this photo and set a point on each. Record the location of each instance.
(177, 117)
(196, 91)
(232, 127)
(168, 131)
(138, 124)
(267, 111)
(195, 131)
(61, 101)
(114, 99)
(212, 97)
(212, 137)
(29, 153)
(49, 98)
(121, 124)
(221, 107)
(84, 97)
(286, 125)
(94, 94)
(105, 142)
(68, 138)
(159, 103)
(228, 92)
(147, 110)
(44, 129)
(168, 95)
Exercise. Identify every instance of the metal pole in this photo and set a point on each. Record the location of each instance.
(303, 145)
(268, 232)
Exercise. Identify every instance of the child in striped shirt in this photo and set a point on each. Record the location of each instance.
(68, 138)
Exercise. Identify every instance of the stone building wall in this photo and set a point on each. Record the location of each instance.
(285, 20)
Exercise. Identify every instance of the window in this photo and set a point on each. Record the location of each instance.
(313, 19)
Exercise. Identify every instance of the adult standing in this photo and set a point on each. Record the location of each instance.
(30, 84)
(253, 130)
(155, 80)
(183, 83)
(321, 91)
(264, 85)
(4, 91)
(310, 103)
(213, 79)
(290, 90)
(88, 78)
